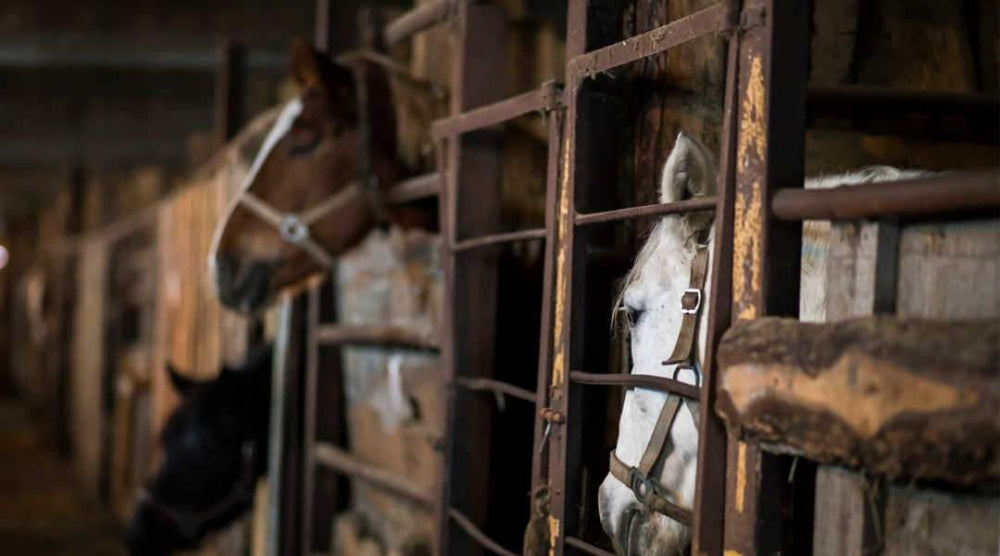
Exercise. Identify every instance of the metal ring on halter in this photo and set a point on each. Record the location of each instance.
(293, 229)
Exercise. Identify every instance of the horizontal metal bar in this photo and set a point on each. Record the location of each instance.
(470, 528)
(690, 205)
(673, 34)
(586, 547)
(393, 337)
(416, 20)
(637, 381)
(546, 97)
(490, 385)
(413, 189)
(343, 462)
(494, 239)
(939, 194)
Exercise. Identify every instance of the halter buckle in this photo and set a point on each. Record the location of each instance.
(641, 484)
(697, 301)
(293, 229)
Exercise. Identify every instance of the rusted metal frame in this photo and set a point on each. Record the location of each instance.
(650, 43)
(773, 59)
(497, 239)
(650, 382)
(418, 19)
(391, 337)
(543, 99)
(343, 462)
(309, 418)
(477, 534)
(645, 211)
(412, 189)
(710, 485)
(479, 46)
(496, 387)
(939, 194)
(586, 547)
(556, 121)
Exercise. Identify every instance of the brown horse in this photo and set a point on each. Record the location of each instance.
(313, 190)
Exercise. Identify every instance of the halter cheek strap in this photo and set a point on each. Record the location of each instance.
(647, 489)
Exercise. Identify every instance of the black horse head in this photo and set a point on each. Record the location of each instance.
(215, 449)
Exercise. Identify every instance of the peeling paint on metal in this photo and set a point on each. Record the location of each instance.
(562, 273)
(752, 140)
(730, 552)
(553, 534)
(741, 476)
(747, 269)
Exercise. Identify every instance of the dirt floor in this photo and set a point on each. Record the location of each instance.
(42, 510)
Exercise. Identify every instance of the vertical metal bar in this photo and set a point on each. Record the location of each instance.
(539, 457)
(765, 277)
(309, 419)
(324, 25)
(710, 491)
(276, 435)
(478, 50)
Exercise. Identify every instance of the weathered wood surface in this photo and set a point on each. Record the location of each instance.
(905, 398)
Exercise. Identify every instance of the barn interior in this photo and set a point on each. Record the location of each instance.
(130, 128)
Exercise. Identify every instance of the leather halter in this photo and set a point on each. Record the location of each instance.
(294, 227)
(647, 489)
(190, 522)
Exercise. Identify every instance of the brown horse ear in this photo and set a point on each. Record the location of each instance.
(312, 69)
(182, 384)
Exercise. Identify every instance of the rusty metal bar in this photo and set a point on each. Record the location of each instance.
(545, 98)
(657, 209)
(391, 337)
(470, 528)
(309, 419)
(416, 20)
(495, 239)
(710, 482)
(637, 381)
(914, 197)
(412, 189)
(586, 547)
(661, 39)
(495, 386)
(343, 462)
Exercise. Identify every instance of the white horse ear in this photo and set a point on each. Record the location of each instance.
(688, 172)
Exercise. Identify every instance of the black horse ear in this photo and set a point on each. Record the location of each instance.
(182, 384)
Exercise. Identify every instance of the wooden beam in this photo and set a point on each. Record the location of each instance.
(894, 396)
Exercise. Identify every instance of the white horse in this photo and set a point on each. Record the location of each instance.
(651, 297)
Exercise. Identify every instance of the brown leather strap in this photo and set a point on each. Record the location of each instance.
(659, 438)
(648, 490)
(691, 307)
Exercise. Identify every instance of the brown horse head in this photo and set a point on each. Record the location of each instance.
(309, 157)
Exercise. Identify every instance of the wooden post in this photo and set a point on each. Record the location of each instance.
(769, 154)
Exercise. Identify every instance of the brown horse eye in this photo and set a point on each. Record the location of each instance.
(303, 141)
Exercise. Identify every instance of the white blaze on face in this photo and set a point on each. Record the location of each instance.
(281, 127)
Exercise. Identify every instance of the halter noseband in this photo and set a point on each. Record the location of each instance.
(649, 491)
(190, 522)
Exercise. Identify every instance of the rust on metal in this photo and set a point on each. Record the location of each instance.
(747, 264)
(651, 382)
(416, 20)
(495, 386)
(393, 337)
(645, 211)
(343, 462)
(939, 194)
(741, 477)
(543, 99)
(661, 39)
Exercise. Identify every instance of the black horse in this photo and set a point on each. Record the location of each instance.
(215, 447)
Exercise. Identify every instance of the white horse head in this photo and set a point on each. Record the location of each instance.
(652, 299)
